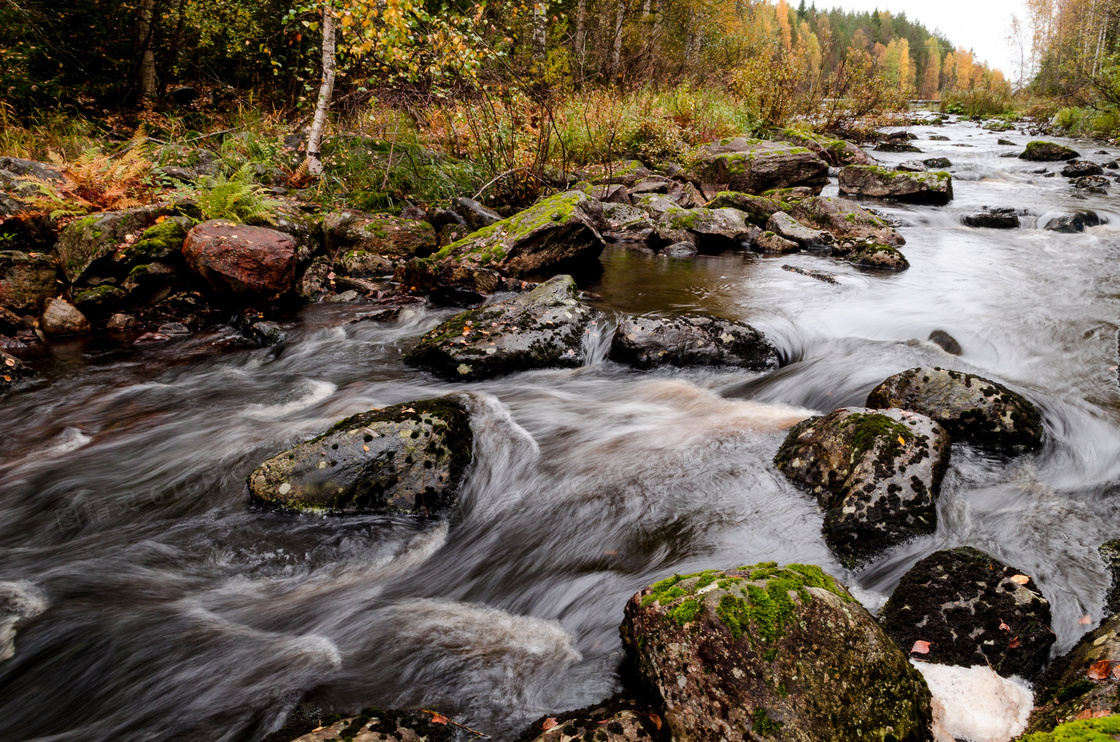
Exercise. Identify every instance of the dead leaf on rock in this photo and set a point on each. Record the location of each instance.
(549, 723)
(1085, 620)
(1014, 643)
(1003, 626)
(1100, 670)
(1020, 579)
(920, 647)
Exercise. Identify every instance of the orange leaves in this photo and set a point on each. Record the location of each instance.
(920, 647)
(1100, 670)
(1020, 579)
(548, 723)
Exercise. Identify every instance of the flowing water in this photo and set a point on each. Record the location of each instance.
(175, 611)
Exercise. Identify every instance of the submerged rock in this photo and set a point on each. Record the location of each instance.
(1039, 151)
(556, 231)
(963, 607)
(542, 328)
(408, 458)
(875, 182)
(691, 340)
(845, 220)
(614, 720)
(877, 474)
(1003, 218)
(1073, 223)
(896, 147)
(242, 261)
(763, 653)
(946, 341)
(971, 408)
(371, 725)
(786, 227)
(1081, 168)
(873, 257)
(755, 166)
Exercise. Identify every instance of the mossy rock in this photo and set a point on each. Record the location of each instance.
(972, 609)
(161, 241)
(92, 238)
(1080, 683)
(836, 152)
(971, 408)
(391, 237)
(845, 220)
(691, 340)
(617, 719)
(1039, 151)
(1104, 729)
(710, 230)
(757, 208)
(28, 280)
(874, 257)
(408, 458)
(877, 474)
(869, 181)
(751, 166)
(542, 328)
(765, 652)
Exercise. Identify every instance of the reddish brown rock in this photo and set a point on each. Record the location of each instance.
(242, 260)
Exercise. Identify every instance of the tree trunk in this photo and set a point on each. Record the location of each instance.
(540, 31)
(323, 104)
(581, 37)
(616, 48)
(146, 72)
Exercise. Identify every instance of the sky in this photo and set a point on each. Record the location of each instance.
(980, 25)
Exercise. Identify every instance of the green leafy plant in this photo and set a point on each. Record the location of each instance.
(237, 198)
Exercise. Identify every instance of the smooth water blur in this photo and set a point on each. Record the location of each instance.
(177, 612)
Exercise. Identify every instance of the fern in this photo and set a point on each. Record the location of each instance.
(237, 198)
(95, 181)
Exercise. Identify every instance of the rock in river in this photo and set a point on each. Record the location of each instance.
(786, 227)
(877, 474)
(1047, 152)
(407, 458)
(1001, 218)
(710, 230)
(971, 408)
(768, 653)
(754, 166)
(13, 371)
(541, 328)
(1073, 223)
(239, 260)
(614, 720)
(691, 340)
(874, 257)
(60, 317)
(371, 725)
(845, 220)
(875, 182)
(971, 609)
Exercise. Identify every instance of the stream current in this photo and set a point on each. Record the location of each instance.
(175, 611)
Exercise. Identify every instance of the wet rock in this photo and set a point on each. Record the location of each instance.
(937, 163)
(440, 218)
(762, 653)
(316, 280)
(1080, 684)
(408, 458)
(845, 220)
(242, 261)
(1110, 553)
(823, 276)
(973, 610)
(542, 328)
(947, 342)
(877, 474)
(151, 338)
(392, 238)
(1092, 184)
(427, 275)
(875, 257)
(874, 182)
(371, 725)
(680, 250)
(60, 317)
(27, 280)
(711, 230)
(836, 152)
(911, 166)
(691, 340)
(896, 147)
(92, 238)
(622, 223)
(474, 214)
(162, 241)
(754, 166)
(615, 720)
(557, 231)
(13, 372)
(938, 138)
(1004, 218)
(971, 408)
(774, 244)
(173, 329)
(786, 227)
(1073, 223)
(120, 322)
(1005, 142)
(1081, 168)
(18, 602)
(1039, 151)
(758, 209)
(98, 300)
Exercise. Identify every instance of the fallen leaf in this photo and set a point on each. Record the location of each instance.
(1083, 714)
(901, 441)
(9, 362)
(1003, 626)
(655, 720)
(408, 409)
(1014, 643)
(1085, 620)
(1101, 714)
(549, 723)
(365, 448)
(1100, 670)
(161, 219)
(437, 719)
(1116, 672)
(920, 647)
(1020, 579)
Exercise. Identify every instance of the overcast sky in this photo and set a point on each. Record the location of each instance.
(980, 25)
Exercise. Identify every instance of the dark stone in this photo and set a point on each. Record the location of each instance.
(1092, 183)
(680, 250)
(408, 458)
(392, 238)
(937, 163)
(1005, 142)
(938, 138)
(543, 328)
(947, 342)
(1081, 168)
(474, 214)
(1004, 218)
(973, 610)
(1047, 152)
(711, 230)
(28, 280)
(971, 408)
(894, 146)
(874, 257)
(616, 719)
(1110, 553)
(911, 166)
(371, 725)
(691, 340)
(183, 95)
(877, 474)
(13, 372)
(763, 653)
(1073, 223)
(1080, 684)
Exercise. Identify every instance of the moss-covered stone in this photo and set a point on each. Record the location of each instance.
(710, 230)
(407, 458)
(92, 238)
(691, 340)
(875, 257)
(1104, 729)
(845, 220)
(1080, 683)
(160, 241)
(757, 208)
(870, 181)
(392, 238)
(751, 166)
(1039, 151)
(771, 653)
(836, 152)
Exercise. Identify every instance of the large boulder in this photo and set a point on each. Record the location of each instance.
(408, 458)
(755, 166)
(91, 238)
(963, 607)
(868, 181)
(757, 208)
(27, 280)
(349, 231)
(763, 653)
(845, 220)
(710, 230)
(615, 720)
(877, 474)
(541, 328)
(622, 223)
(557, 231)
(242, 261)
(836, 152)
(13, 371)
(691, 340)
(807, 238)
(1082, 683)
(971, 408)
(1047, 152)
(871, 256)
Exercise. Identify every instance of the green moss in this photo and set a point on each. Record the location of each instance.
(1104, 729)
(761, 723)
(872, 427)
(686, 611)
(490, 244)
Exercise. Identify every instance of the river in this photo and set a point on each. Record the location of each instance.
(175, 611)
